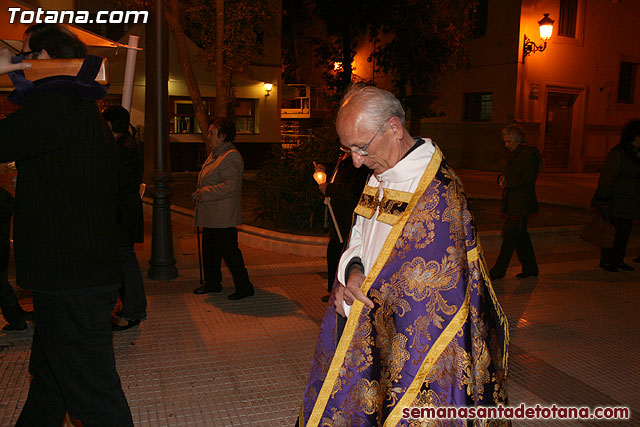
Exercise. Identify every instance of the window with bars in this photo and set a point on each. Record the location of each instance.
(478, 106)
(627, 82)
(244, 114)
(568, 18)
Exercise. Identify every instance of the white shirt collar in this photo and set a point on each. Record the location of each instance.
(412, 165)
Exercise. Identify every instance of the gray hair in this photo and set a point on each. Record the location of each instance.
(516, 132)
(377, 105)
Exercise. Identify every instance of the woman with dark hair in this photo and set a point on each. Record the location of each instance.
(218, 211)
(130, 220)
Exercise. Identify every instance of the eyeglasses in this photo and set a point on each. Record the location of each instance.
(362, 151)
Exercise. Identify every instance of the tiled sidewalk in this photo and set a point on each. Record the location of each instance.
(207, 361)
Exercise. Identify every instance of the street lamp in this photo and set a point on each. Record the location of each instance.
(546, 29)
(267, 88)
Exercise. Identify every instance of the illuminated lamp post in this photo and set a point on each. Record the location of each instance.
(546, 30)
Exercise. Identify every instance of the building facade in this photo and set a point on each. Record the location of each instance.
(572, 98)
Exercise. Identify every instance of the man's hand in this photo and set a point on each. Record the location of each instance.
(196, 196)
(5, 63)
(351, 292)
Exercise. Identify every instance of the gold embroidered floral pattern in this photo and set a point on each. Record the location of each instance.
(392, 345)
(419, 231)
(421, 337)
(451, 368)
(342, 419)
(427, 280)
(358, 357)
(426, 398)
(366, 396)
(456, 214)
(478, 374)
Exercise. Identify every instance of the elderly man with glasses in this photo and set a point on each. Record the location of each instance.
(423, 324)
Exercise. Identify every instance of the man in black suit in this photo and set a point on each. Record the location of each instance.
(65, 235)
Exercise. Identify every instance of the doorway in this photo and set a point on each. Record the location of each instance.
(558, 125)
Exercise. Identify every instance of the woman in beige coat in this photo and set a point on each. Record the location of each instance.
(218, 211)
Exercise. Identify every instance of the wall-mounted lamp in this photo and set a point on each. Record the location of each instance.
(337, 67)
(267, 88)
(546, 29)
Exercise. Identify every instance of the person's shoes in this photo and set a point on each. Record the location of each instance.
(9, 327)
(240, 295)
(121, 324)
(494, 276)
(325, 298)
(525, 275)
(609, 267)
(207, 289)
(624, 266)
(637, 260)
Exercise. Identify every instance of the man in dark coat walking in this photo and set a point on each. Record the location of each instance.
(343, 189)
(518, 202)
(65, 235)
(618, 194)
(130, 219)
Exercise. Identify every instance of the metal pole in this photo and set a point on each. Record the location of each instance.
(163, 263)
(199, 255)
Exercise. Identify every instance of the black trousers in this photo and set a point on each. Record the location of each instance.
(219, 244)
(9, 305)
(615, 255)
(134, 299)
(73, 363)
(334, 250)
(515, 237)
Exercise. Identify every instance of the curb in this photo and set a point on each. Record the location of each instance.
(312, 246)
(261, 238)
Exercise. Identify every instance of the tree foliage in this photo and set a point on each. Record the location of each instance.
(418, 42)
(296, 17)
(246, 22)
(289, 197)
(345, 22)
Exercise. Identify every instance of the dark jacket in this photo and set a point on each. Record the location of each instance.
(130, 219)
(618, 192)
(65, 230)
(345, 192)
(519, 193)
